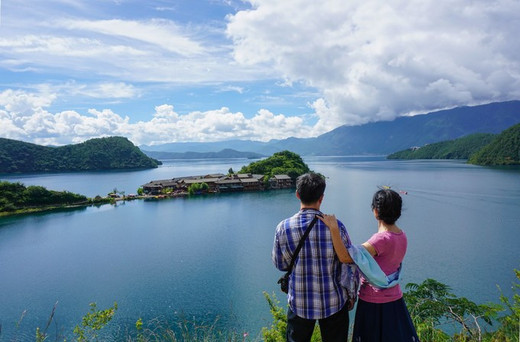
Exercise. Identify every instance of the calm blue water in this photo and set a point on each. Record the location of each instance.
(208, 257)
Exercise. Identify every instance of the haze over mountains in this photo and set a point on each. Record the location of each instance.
(378, 138)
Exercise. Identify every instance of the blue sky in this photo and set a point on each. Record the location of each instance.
(161, 71)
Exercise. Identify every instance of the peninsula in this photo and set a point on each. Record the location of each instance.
(276, 172)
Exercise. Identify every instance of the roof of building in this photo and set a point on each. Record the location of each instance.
(229, 181)
(250, 180)
(281, 177)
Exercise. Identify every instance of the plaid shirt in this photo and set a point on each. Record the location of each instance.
(314, 284)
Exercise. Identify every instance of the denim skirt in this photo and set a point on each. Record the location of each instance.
(386, 322)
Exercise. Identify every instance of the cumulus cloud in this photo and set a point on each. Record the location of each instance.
(350, 62)
(374, 60)
(24, 116)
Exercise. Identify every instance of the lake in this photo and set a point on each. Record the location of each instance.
(207, 258)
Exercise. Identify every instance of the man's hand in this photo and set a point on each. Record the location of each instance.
(351, 302)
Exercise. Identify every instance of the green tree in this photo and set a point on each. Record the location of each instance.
(509, 329)
(432, 303)
(94, 321)
(198, 188)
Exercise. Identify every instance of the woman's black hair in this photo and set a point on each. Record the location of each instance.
(388, 204)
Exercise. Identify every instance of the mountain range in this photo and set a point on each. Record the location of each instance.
(225, 153)
(378, 138)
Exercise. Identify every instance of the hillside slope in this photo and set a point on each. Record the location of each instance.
(95, 154)
(461, 148)
(503, 150)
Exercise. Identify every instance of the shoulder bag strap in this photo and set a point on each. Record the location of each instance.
(300, 244)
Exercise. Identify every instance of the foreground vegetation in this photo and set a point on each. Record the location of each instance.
(432, 306)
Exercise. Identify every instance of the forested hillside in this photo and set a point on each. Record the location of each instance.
(503, 150)
(461, 148)
(95, 154)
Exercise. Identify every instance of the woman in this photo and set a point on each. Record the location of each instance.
(381, 314)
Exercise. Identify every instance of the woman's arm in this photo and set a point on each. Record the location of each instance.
(332, 223)
(370, 248)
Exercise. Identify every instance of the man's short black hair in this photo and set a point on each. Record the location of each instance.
(310, 187)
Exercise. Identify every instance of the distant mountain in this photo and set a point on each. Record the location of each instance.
(461, 148)
(95, 154)
(225, 153)
(402, 133)
(382, 137)
(503, 150)
(182, 147)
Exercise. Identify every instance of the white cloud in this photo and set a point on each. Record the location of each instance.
(127, 50)
(374, 60)
(230, 88)
(23, 116)
(101, 90)
(21, 104)
(358, 61)
(161, 33)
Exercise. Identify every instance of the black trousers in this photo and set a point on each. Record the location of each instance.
(333, 328)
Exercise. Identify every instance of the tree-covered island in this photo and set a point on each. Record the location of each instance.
(111, 153)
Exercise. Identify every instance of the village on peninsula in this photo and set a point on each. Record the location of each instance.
(276, 172)
(215, 183)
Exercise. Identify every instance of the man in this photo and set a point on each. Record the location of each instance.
(314, 290)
